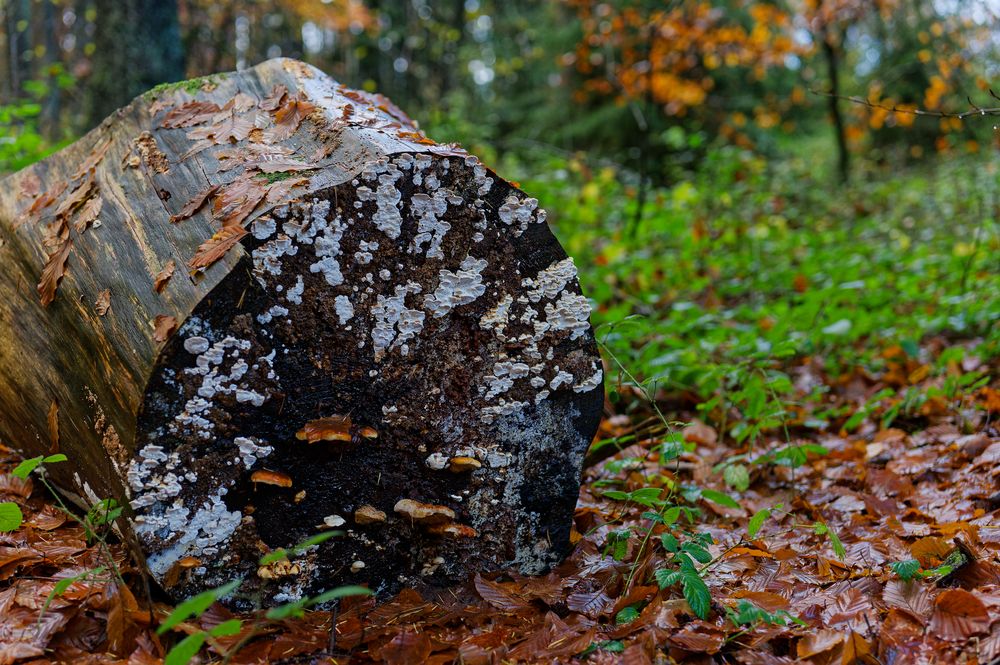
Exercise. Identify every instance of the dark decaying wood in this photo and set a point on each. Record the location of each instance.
(261, 305)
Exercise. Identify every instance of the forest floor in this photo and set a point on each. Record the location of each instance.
(800, 459)
(811, 564)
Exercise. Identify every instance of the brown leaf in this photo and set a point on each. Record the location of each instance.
(194, 205)
(819, 641)
(88, 214)
(40, 204)
(189, 114)
(225, 128)
(54, 427)
(930, 551)
(216, 247)
(912, 597)
(53, 272)
(406, 648)
(497, 596)
(238, 199)
(700, 433)
(76, 198)
(274, 99)
(103, 302)
(592, 604)
(958, 615)
(164, 326)
(162, 277)
(93, 159)
(290, 116)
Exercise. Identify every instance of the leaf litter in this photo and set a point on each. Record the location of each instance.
(785, 593)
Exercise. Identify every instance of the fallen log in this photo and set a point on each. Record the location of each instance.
(267, 305)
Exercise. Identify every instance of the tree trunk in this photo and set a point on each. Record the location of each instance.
(839, 129)
(137, 45)
(364, 330)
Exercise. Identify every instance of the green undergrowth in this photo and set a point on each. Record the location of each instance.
(748, 267)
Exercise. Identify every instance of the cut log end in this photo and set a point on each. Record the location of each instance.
(427, 309)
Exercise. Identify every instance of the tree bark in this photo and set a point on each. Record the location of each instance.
(833, 101)
(282, 310)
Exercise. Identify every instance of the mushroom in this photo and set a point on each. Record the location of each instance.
(331, 428)
(424, 513)
(453, 530)
(271, 478)
(369, 515)
(460, 464)
(333, 521)
(280, 568)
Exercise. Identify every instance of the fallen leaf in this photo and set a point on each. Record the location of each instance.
(53, 427)
(162, 277)
(189, 114)
(958, 615)
(912, 597)
(216, 247)
(194, 205)
(103, 302)
(53, 272)
(290, 115)
(164, 326)
(238, 199)
(88, 214)
(274, 99)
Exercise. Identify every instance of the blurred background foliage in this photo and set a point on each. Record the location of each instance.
(735, 224)
(645, 84)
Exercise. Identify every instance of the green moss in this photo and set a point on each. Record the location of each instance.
(191, 86)
(278, 176)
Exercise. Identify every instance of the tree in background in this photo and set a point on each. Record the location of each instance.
(137, 45)
(644, 83)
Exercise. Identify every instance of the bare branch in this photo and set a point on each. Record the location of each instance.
(973, 112)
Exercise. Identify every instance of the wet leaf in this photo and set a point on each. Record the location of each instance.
(958, 615)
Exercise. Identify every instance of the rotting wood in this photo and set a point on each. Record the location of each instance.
(390, 300)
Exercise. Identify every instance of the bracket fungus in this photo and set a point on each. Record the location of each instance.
(351, 284)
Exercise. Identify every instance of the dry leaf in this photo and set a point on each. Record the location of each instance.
(194, 205)
(54, 427)
(238, 199)
(291, 114)
(216, 247)
(163, 327)
(103, 302)
(162, 277)
(189, 114)
(274, 99)
(53, 273)
(88, 214)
